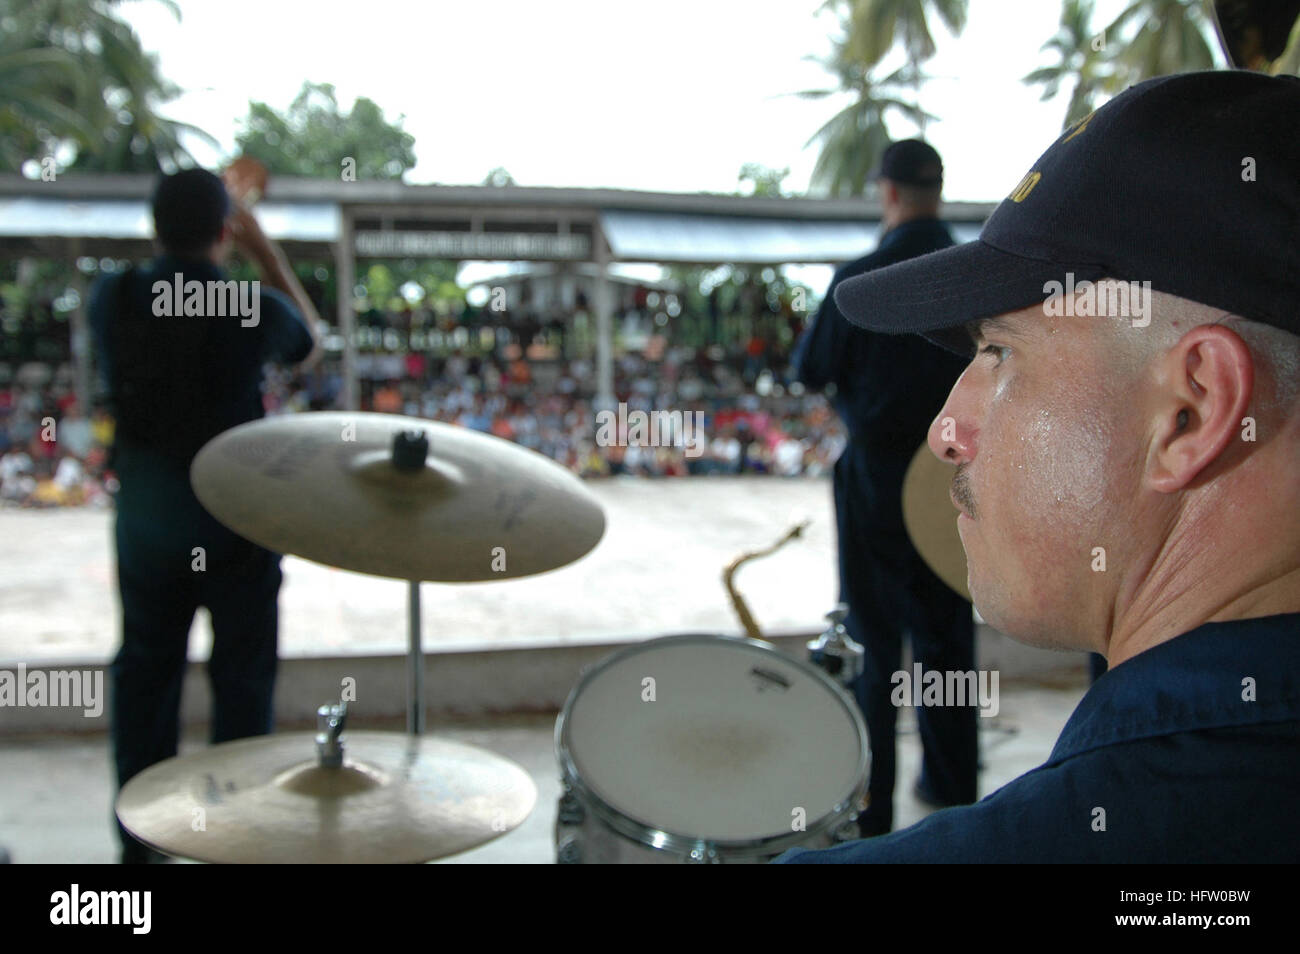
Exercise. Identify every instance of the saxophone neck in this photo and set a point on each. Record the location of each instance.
(738, 603)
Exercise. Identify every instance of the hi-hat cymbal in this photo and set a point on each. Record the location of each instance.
(396, 799)
(326, 486)
(931, 519)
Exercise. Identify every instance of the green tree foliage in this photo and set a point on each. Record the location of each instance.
(499, 177)
(763, 180)
(1079, 62)
(76, 77)
(874, 26)
(314, 138)
(1159, 37)
(731, 303)
(853, 139)
(1149, 38)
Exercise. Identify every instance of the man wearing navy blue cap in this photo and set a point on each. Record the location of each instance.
(1126, 443)
(887, 389)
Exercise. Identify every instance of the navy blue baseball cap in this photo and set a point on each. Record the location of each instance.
(1190, 182)
(911, 162)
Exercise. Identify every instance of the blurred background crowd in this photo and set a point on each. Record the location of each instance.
(525, 374)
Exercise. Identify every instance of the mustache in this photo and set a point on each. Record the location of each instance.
(961, 491)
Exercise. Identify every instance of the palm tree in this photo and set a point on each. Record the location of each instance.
(1080, 59)
(31, 109)
(107, 104)
(875, 25)
(853, 140)
(1172, 36)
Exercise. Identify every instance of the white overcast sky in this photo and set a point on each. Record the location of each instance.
(665, 95)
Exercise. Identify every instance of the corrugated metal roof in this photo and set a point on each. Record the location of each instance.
(634, 236)
(662, 237)
(388, 197)
(22, 217)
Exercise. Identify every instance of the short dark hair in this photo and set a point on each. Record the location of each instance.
(189, 209)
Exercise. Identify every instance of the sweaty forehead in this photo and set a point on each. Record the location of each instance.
(1017, 324)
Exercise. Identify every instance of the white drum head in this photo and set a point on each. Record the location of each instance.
(738, 739)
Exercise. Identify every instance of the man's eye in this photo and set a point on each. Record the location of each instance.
(998, 351)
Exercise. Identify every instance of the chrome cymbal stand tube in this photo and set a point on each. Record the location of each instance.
(415, 666)
(410, 451)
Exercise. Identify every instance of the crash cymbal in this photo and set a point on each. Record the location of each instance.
(931, 519)
(328, 487)
(395, 799)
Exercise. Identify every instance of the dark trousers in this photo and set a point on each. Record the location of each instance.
(891, 593)
(160, 592)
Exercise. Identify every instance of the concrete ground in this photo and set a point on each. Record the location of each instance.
(658, 569)
(55, 801)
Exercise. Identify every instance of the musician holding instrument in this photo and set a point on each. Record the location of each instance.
(175, 379)
(887, 390)
(1127, 471)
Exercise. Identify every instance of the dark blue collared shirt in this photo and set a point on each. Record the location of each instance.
(212, 366)
(228, 377)
(888, 388)
(1188, 752)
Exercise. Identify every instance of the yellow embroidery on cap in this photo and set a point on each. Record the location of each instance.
(1079, 126)
(1025, 186)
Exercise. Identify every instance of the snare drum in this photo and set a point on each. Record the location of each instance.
(706, 748)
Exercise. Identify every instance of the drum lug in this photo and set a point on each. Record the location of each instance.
(570, 811)
(846, 831)
(704, 855)
(839, 654)
(569, 851)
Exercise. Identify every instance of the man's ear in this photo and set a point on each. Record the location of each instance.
(1205, 383)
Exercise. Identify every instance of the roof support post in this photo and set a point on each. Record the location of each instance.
(345, 281)
(604, 323)
(80, 337)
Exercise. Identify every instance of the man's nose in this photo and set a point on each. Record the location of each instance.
(952, 436)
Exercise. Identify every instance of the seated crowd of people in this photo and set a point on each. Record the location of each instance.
(53, 454)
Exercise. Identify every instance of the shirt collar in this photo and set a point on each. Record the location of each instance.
(1241, 672)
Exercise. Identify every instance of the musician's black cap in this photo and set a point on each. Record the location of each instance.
(911, 162)
(1190, 182)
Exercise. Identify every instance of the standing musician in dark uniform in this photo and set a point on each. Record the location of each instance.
(887, 390)
(182, 363)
